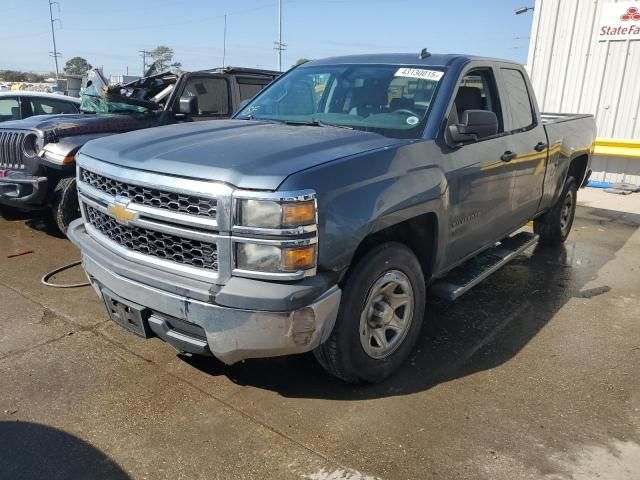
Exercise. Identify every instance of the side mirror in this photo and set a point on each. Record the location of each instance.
(474, 125)
(188, 105)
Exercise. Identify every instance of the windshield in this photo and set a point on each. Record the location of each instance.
(391, 100)
(130, 99)
(100, 104)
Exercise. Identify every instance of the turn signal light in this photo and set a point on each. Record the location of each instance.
(299, 258)
(295, 214)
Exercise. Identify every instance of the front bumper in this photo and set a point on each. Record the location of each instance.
(23, 190)
(232, 334)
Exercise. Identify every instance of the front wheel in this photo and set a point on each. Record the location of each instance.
(380, 316)
(65, 206)
(555, 225)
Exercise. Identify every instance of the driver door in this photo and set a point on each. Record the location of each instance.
(480, 180)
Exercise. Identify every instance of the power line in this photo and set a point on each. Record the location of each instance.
(173, 24)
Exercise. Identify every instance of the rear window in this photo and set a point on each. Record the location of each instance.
(518, 97)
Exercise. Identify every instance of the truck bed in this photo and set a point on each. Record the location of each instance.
(549, 118)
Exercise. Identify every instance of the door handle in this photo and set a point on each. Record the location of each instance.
(508, 156)
(540, 147)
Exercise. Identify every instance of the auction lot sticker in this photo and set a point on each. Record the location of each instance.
(420, 73)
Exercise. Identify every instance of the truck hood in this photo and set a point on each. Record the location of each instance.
(81, 124)
(248, 154)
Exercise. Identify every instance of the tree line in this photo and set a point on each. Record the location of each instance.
(161, 57)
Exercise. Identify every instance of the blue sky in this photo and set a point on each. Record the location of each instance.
(110, 33)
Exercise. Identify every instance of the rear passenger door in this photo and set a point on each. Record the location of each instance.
(528, 143)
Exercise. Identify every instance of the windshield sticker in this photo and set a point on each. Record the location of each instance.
(412, 120)
(420, 73)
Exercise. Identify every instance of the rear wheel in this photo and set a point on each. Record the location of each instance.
(555, 225)
(65, 206)
(380, 316)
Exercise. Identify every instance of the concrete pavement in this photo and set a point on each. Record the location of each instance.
(533, 374)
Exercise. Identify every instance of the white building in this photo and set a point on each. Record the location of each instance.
(584, 57)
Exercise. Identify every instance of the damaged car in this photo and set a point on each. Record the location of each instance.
(37, 154)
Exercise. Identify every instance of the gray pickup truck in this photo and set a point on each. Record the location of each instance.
(323, 214)
(37, 154)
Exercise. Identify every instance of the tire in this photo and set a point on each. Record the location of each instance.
(555, 225)
(65, 207)
(353, 351)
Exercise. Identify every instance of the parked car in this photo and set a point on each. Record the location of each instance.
(322, 214)
(23, 104)
(37, 155)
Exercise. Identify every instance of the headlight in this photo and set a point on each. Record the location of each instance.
(274, 259)
(271, 214)
(275, 234)
(31, 145)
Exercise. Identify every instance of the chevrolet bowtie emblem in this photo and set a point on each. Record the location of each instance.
(121, 213)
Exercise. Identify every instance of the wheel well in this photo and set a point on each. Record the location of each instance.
(419, 234)
(578, 168)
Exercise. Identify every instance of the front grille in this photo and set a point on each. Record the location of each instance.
(152, 197)
(194, 253)
(11, 149)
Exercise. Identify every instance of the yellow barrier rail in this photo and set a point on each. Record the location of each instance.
(613, 147)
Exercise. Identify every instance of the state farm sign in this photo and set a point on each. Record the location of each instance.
(619, 21)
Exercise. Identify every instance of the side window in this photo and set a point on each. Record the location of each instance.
(477, 91)
(519, 100)
(248, 90)
(9, 109)
(249, 87)
(212, 93)
(47, 106)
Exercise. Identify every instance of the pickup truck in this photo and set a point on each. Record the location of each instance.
(37, 154)
(322, 215)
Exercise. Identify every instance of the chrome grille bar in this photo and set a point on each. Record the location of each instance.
(151, 197)
(195, 253)
(11, 149)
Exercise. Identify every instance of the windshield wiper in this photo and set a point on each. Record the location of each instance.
(316, 123)
(245, 117)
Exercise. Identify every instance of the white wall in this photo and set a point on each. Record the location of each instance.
(572, 71)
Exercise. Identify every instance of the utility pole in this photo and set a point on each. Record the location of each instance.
(224, 42)
(143, 54)
(55, 54)
(279, 46)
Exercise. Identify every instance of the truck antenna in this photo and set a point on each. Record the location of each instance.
(424, 54)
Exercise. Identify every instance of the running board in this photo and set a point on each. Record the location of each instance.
(469, 274)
